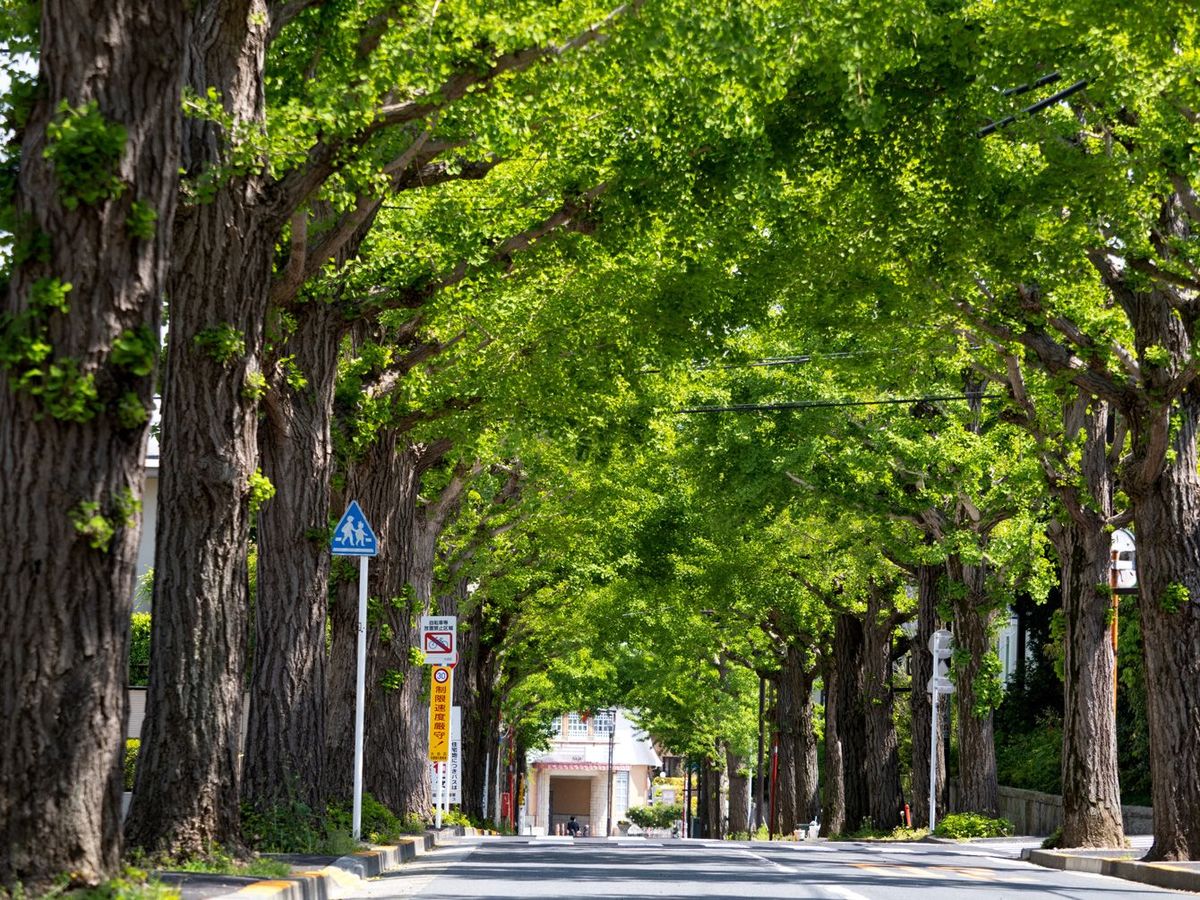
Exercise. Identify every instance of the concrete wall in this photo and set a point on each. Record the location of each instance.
(137, 713)
(1035, 813)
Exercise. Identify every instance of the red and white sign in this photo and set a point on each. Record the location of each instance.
(439, 640)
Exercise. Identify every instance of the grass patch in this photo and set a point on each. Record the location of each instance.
(972, 825)
(220, 864)
(899, 834)
(132, 884)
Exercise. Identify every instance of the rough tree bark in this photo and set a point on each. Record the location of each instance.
(187, 793)
(1090, 786)
(739, 793)
(1162, 482)
(1167, 513)
(883, 757)
(833, 815)
(73, 461)
(285, 739)
(1157, 396)
(388, 478)
(796, 798)
(979, 791)
(846, 696)
(475, 679)
(714, 821)
(921, 700)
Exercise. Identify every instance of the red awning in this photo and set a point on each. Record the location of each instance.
(578, 766)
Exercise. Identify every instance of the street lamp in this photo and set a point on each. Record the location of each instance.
(612, 735)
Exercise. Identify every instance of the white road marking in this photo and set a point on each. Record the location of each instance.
(845, 892)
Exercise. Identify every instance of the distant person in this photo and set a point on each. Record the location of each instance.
(573, 827)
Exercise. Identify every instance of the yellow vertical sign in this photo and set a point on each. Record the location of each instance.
(440, 700)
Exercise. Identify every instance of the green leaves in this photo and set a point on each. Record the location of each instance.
(85, 150)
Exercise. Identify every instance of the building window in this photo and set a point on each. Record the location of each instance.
(576, 726)
(556, 727)
(604, 722)
(620, 794)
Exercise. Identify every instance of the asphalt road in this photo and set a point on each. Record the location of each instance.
(554, 868)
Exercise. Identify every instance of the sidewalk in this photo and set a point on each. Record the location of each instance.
(312, 877)
(1180, 876)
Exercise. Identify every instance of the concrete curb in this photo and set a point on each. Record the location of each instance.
(1164, 875)
(343, 875)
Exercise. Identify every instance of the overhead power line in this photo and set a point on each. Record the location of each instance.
(827, 404)
(1024, 88)
(1066, 92)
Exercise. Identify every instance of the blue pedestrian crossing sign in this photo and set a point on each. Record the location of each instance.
(353, 535)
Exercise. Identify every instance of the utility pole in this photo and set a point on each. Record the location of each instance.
(760, 771)
(612, 737)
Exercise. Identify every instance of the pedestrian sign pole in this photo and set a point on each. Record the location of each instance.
(353, 537)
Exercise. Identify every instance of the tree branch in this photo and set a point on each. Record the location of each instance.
(322, 158)
(1187, 194)
(283, 13)
(457, 86)
(1149, 267)
(437, 512)
(1056, 358)
(416, 295)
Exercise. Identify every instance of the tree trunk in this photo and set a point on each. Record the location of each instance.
(979, 790)
(797, 794)
(852, 725)
(712, 802)
(285, 738)
(1162, 482)
(73, 462)
(475, 692)
(1167, 513)
(387, 480)
(395, 769)
(340, 675)
(187, 794)
(833, 817)
(739, 793)
(883, 757)
(1090, 788)
(920, 700)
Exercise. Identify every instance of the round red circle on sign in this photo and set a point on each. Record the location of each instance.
(441, 675)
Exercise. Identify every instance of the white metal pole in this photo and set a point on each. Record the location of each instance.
(499, 767)
(487, 768)
(360, 689)
(437, 804)
(933, 744)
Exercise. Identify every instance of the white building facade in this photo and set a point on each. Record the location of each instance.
(571, 777)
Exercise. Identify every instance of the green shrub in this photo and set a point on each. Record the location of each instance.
(132, 884)
(379, 824)
(132, 746)
(139, 649)
(1032, 761)
(661, 815)
(972, 825)
(289, 827)
(452, 817)
(221, 863)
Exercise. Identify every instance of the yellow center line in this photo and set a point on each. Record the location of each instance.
(975, 874)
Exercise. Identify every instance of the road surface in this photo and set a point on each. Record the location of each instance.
(567, 869)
